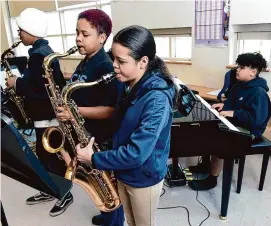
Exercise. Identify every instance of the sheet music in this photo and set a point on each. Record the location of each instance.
(224, 120)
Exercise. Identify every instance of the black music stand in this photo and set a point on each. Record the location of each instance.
(20, 163)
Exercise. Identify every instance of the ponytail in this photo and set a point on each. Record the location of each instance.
(158, 64)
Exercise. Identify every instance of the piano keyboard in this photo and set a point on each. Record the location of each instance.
(216, 113)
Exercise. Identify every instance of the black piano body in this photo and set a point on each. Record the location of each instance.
(199, 138)
(202, 133)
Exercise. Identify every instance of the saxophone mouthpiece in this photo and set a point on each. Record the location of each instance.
(15, 44)
(107, 77)
(72, 50)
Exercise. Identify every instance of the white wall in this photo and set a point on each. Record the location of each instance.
(208, 63)
(152, 14)
(250, 11)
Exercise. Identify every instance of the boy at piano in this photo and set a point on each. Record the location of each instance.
(248, 106)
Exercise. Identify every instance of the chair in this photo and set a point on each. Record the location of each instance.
(262, 146)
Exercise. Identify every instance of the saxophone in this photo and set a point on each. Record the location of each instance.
(98, 184)
(18, 113)
(64, 130)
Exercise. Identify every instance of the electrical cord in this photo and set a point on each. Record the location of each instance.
(183, 207)
(175, 207)
(197, 176)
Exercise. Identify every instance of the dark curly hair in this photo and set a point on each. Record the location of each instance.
(99, 19)
(253, 60)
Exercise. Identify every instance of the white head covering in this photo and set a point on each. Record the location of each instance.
(33, 21)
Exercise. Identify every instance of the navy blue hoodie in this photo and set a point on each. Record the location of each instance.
(32, 85)
(251, 105)
(142, 142)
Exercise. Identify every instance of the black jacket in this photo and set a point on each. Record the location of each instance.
(32, 84)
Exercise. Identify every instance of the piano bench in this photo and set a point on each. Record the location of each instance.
(262, 146)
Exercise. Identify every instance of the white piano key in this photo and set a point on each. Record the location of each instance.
(216, 113)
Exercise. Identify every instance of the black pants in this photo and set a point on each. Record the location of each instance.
(49, 161)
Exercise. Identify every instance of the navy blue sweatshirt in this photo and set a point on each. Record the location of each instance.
(251, 105)
(90, 70)
(142, 142)
(32, 85)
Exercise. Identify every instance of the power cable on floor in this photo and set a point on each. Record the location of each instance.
(188, 214)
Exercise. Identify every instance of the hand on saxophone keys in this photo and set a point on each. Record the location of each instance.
(63, 115)
(10, 82)
(84, 155)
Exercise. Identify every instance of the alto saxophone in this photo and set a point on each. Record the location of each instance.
(98, 184)
(11, 94)
(65, 128)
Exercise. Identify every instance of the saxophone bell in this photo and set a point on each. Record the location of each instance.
(53, 140)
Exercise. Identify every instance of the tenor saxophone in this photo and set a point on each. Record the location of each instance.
(98, 184)
(11, 94)
(64, 130)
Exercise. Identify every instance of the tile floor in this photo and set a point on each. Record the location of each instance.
(250, 208)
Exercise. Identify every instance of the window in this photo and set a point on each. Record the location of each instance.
(61, 32)
(182, 47)
(107, 10)
(162, 46)
(108, 43)
(70, 20)
(53, 24)
(56, 44)
(254, 42)
(174, 44)
(177, 48)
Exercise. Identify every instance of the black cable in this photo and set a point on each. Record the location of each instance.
(199, 160)
(204, 207)
(175, 207)
(164, 191)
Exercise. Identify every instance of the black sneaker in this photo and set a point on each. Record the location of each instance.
(203, 185)
(200, 168)
(98, 219)
(61, 205)
(39, 198)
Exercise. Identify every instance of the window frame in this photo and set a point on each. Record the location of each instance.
(63, 35)
(251, 35)
(172, 41)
